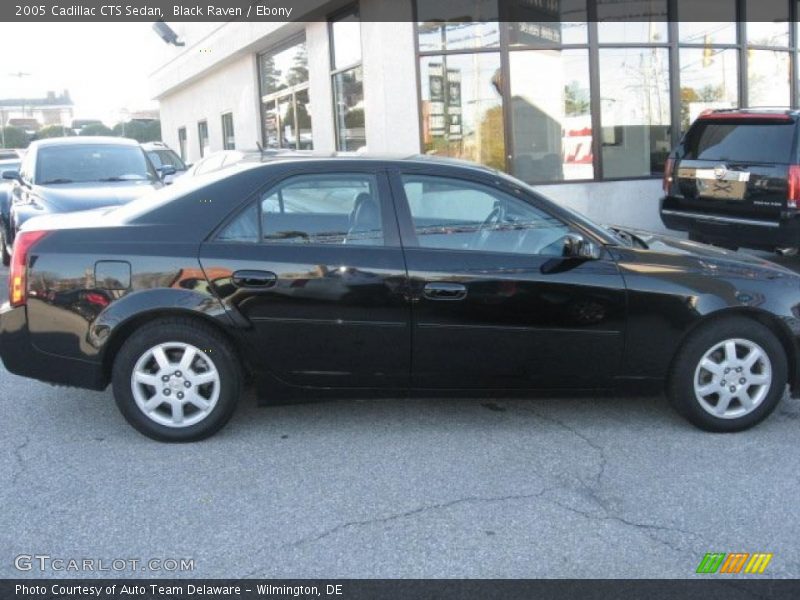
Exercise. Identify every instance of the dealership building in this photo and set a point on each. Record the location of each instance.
(583, 100)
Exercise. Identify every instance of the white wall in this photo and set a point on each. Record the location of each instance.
(628, 203)
(233, 88)
(390, 81)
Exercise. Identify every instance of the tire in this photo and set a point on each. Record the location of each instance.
(697, 391)
(168, 401)
(4, 251)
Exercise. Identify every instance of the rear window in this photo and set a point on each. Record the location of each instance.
(741, 142)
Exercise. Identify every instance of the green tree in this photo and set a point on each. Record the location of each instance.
(96, 129)
(141, 132)
(14, 138)
(576, 99)
(54, 131)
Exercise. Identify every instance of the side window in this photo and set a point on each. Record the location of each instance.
(243, 228)
(323, 209)
(313, 209)
(454, 214)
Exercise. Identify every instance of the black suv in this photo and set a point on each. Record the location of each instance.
(734, 180)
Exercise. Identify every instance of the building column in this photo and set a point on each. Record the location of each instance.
(320, 87)
(391, 98)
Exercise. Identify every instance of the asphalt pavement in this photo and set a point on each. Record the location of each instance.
(612, 487)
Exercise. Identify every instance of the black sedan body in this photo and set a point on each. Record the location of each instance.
(327, 277)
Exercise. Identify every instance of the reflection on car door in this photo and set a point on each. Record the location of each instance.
(495, 304)
(316, 270)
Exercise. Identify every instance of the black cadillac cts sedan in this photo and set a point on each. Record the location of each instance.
(326, 277)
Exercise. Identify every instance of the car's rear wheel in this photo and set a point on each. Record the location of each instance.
(729, 375)
(177, 380)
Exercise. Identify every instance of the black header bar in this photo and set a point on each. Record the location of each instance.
(395, 10)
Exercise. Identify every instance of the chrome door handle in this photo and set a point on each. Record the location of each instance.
(445, 291)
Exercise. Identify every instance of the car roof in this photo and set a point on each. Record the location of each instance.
(83, 141)
(283, 157)
(756, 112)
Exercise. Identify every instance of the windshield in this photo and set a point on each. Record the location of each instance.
(166, 157)
(92, 162)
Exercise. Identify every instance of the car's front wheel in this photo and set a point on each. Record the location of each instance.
(177, 380)
(729, 375)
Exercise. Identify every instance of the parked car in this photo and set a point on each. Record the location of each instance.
(734, 180)
(380, 278)
(5, 209)
(11, 154)
(61, 175)
(162, 156)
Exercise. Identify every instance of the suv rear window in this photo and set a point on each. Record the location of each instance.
(741, 142)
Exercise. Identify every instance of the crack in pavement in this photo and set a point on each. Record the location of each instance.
(593, 492)
(403, 515)
(20, 460)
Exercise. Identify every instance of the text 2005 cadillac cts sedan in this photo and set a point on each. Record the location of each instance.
(324, 277)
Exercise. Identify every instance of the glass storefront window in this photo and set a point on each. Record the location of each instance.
(202, 137)
(284, 101)
(346, 41)
(283, 69)
(348, 90)
(462, 107)
(228, 135)
(768, 78)
(537, 34)
(707, 33)
(709, 80)
(635, 111)
(767, 23)
(707, 22)
(632, 21)
(551, 124)
(458, 25)
(564, 22)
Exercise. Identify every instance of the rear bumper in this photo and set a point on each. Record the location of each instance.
(20, 357)
(732, 230)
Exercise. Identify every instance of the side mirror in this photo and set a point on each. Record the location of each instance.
(166, 171)
(12, 175)
(577, 246)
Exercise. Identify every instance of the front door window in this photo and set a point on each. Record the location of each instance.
(454, 214)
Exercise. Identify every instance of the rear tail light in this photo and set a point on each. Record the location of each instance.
(668, 167)
(17, 276)
(793, 196)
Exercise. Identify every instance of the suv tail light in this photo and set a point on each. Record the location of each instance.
(793, 197)
(17, 276)
(668, 167)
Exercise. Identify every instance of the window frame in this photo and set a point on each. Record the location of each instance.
(389, 222)
(593, 45)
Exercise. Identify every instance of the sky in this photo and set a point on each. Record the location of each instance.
(105, 66)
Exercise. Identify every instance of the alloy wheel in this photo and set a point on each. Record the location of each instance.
(175, 384)
(733, 378)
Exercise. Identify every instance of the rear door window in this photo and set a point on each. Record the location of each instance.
(314, 209)
(739, 141)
